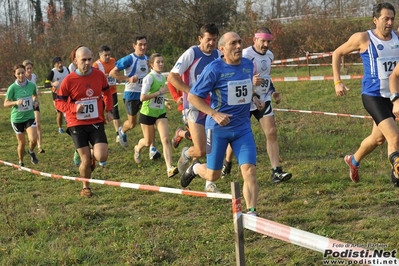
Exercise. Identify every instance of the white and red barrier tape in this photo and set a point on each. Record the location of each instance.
(315, 65)
(315, 78)
(309, 56)
(124, 184)
(321, 113)
(308, 240)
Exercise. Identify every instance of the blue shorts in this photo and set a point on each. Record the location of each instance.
(242, 142)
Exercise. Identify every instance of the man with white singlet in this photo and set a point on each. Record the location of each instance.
(379, 50)
(183, 76)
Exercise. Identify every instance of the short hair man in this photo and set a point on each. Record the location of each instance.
(379, 50)
(229, 80)
(106, 63)
(80, 97)
(183, 76)
(135, 69)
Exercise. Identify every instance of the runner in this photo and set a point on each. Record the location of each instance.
(153, 113)
(80, 97)
(183, 76)
(21, 98)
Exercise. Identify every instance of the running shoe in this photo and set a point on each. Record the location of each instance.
(226, 170)
(353, 170)
(33, 157)
(117, 139)
(176, 138)
(86, 192)
(137, 158)
(172, 171)
(154, 154)
(61, 130)
(278, 175)
(212, 188)
(122, 138)
(40, 150)
(102, 164)
(76, 158)
(188, 175)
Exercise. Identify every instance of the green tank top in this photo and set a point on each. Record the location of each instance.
(154, 107)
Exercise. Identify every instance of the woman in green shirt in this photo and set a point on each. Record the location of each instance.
(21, 98)
(153, 113)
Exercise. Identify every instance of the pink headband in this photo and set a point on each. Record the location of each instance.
(262, 35)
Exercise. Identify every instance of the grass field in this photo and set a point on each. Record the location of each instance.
(44, 221)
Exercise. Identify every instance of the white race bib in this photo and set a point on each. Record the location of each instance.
(157, 102)
(27, 104)
(90, 110)
(385, 66)
(239, 92)
(265, 86)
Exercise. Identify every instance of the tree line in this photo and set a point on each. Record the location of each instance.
(39, 34)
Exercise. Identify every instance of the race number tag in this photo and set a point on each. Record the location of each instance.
(385, 66)
(264, 87)
(27, 104)
(111, 80)
(157, 102)
(90, 110)
(239, 92)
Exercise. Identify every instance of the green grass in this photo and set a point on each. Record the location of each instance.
(44, 221)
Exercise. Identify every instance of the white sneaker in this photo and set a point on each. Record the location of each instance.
(154, 154)
(117, 139)
(122, 138)
(212, 188)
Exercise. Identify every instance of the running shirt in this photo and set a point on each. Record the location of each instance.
(133, 65)
(231, 92)
(33, 79)
(56, 75)
(152, 83)
(379, 60)
(190, 65)
(88, 90)
(71, 67)
(24, 112)
(106, 67)
(262, 64)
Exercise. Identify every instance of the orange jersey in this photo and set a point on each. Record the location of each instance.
(106, 67)
(88, 90)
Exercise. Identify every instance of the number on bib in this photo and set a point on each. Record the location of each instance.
(90, 110)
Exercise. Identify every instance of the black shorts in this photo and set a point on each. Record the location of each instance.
(83, 135)
(149, 120)
(21, 127)
(378, 107)
(266, 111)
(115, 110)
(132, 106)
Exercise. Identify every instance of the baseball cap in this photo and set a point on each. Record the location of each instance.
(56, 60)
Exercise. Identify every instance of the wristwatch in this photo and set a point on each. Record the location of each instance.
(394, 97)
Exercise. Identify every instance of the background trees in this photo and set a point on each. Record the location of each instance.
(39, 30)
